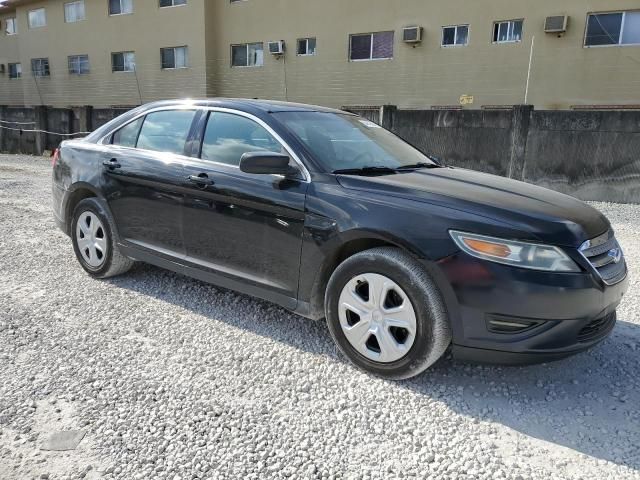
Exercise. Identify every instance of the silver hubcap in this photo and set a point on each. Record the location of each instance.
(377, 317)
(92, 239)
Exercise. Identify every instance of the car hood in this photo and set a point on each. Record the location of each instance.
(539, 213)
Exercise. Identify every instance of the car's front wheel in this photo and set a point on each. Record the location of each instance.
(94, 242)
(386, 313)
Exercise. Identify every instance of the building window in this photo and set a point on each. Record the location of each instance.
(74, 11)
(120, 7)
(15, 70)
(508, 31)
(371, 46)
(172, 3)
(37, 18)
(174, 57)
(620, 28)
(11, 26)
(455, 36)
(40, 67)
(79, 64)
(123, 62)
(306, 46)
(247, 55)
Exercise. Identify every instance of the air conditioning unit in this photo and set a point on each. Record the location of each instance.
(556, 24)
(412, 34)
(276, 48)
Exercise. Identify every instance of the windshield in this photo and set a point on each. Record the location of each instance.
(343, 142)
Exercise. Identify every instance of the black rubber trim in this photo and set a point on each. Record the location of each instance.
(497, 357)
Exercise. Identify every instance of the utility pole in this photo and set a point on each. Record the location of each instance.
(526, 91)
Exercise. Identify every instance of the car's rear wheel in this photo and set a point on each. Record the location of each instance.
(386, 313)
(94, 242)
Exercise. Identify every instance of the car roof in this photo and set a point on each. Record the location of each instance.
(256, 107)
(246, 104)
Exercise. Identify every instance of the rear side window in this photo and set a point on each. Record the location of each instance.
(166, 131)
(230, 136)
(127, 135)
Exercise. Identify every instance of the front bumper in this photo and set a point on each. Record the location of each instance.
(567, 312)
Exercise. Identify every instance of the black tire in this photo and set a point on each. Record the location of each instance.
(113, 263)
(433, 331)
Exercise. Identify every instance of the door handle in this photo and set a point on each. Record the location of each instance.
(201, 179)
(112, 164)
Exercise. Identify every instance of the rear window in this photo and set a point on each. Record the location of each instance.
(166, 131)
(127, 136)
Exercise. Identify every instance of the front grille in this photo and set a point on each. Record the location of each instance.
(605, 255)
(598, 328)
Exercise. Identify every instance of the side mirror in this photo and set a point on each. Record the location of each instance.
(265, 163)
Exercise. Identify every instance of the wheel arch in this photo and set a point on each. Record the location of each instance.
(76, 193)
(353, 242)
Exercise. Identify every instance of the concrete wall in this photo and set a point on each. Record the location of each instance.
(12, 139)
(590, 155)
(145, 31)
(563, 74)
(475, 139)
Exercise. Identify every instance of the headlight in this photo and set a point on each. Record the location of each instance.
(512, 252)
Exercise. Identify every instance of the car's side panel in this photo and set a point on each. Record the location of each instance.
(144, 197)
(336, 216)
(236, 284)
(245, 227)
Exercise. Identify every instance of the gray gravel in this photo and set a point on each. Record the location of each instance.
(172, 378)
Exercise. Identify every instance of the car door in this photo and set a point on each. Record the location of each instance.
(239, 226)
(144, 171)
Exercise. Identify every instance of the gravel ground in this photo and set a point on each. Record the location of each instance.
(172, 378)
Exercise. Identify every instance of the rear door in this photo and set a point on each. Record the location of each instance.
(241, 226)
(144, 173)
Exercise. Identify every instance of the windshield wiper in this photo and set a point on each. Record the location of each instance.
(366, 171)
(419, 165)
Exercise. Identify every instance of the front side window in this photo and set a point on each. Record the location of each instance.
(247, 55)
(457, 35)
(120, 7)
(172, 3)
(341, 142)
(307, 46)
(127, 136)
(37, 18)
(123, 62)
(74, 11)
(620, 28)
(78, 64)
(174, 57)
(11, 26)
(40, 67)
(15, 70)
(508, 31)
(229, 136)
(371, 46)
(166, 131)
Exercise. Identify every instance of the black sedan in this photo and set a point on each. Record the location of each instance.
(331, 216)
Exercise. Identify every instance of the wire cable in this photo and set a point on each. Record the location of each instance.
(21, 130)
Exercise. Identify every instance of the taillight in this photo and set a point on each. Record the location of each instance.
(54, 157)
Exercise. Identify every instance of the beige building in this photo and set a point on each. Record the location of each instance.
(330, 52)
